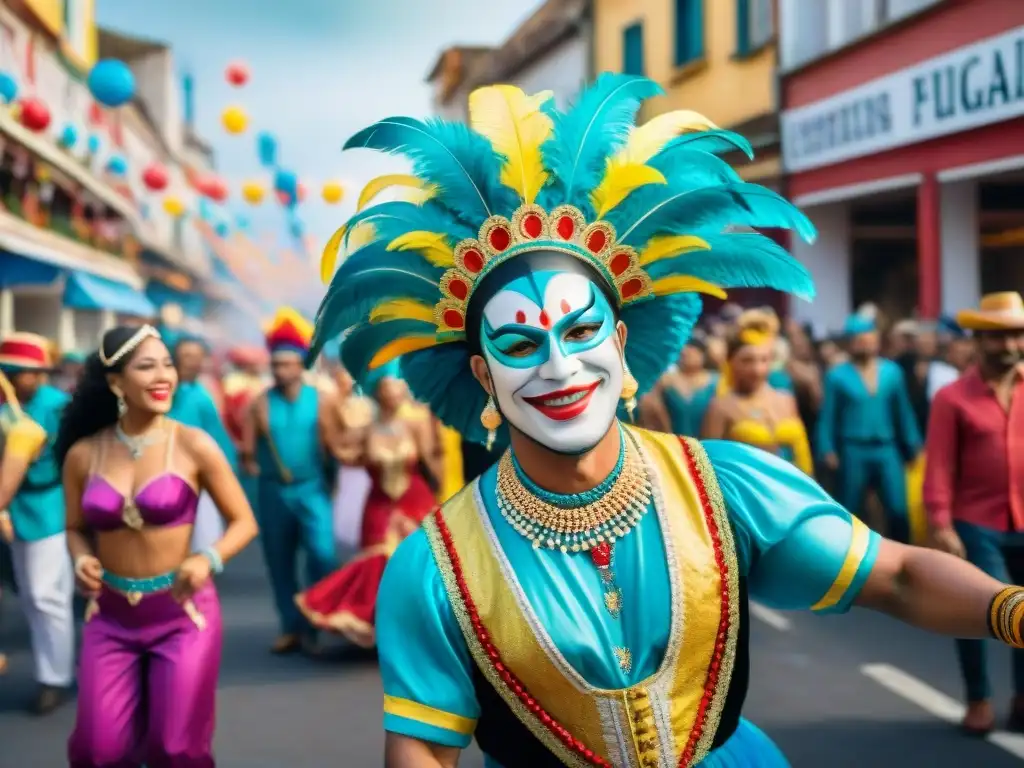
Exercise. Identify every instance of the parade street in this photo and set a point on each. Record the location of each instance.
(842, 692)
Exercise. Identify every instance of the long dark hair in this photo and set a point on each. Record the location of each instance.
(93, 406)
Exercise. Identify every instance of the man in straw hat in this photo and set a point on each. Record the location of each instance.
(33, 499)
(974, 480)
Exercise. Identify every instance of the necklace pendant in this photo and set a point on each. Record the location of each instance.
(625, 659)
(133, 598)
(131, 516)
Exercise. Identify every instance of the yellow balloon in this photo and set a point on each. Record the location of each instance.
(253, 192)
(333, 192)
(174, 206)
(234, 119)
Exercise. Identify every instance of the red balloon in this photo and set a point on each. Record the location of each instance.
(155, 177)
(283, 197)
(34, 114)
(213, 188)
(300, 192)
(237, 74)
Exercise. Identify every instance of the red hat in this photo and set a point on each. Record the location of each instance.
(25, 352)
(288, 333)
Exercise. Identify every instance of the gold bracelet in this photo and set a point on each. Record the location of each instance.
(1005, 616)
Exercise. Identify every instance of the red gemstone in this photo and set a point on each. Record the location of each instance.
(500, 238)
(597, 240)
(473, 260)
(619, 263)
(458, 289)
(545, 718)
(565, 227)
(532, 225)
(631, 287)
(453, 320)
(521, 317)
(601, 555)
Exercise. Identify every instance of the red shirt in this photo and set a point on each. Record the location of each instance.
(974, 469)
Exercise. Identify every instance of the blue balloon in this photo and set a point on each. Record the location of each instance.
(266, 148)
(222, 229)
(287, 182)
(93, 145)
(296, 229)
(111, 83)
(8, 87)
(68, 136)
(117, 165)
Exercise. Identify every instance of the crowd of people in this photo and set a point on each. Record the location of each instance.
(486, 484)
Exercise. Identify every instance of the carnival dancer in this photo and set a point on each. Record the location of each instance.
(395, 447)
(974, 480)
(867, 429)
(292, 428)
(241, 387)
(151, 645)
(353, 483)
(32, 503)
(543, 608)
(751, 410)
(678, 402)
(194, 406)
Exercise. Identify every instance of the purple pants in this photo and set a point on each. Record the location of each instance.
(147, 683)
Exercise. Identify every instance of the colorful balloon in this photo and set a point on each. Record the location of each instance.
(117, 165)
(253, 192)
(332, 192)
(300, 192)
(93, 144)
(155, 177)
(237, 74)
(234, 119)
(35, 115)
(68, 136)
(8, 88)
(111, 83)
(173, 206)
(213, 188)
(266, 148)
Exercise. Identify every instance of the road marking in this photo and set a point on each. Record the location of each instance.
(770, 616)
(935, 703)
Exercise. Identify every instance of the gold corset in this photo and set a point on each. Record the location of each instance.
(392, 462)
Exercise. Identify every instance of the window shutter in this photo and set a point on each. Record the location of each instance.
(633, 49)
(742, 27)
(696, 29)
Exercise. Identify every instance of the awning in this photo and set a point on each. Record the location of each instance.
(19, 271)
(192, 304)
(85, 291)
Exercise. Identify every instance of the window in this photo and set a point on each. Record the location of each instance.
(755, 25)
(689, 31)
(633, 49)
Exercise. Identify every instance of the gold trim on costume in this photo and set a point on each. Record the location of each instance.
(859, 540)
(421, 713)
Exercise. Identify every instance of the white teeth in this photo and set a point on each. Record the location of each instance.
(567, 400)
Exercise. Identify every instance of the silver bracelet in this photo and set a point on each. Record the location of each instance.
(216, 562)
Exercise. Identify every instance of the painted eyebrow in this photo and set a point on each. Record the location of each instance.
(533, 334)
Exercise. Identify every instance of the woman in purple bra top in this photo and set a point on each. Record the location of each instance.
(152, 640)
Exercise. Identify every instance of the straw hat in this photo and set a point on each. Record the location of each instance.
(997, 312)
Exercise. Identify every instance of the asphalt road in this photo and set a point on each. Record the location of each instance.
(835, 692)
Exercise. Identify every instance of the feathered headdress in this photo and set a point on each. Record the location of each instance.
(288, 332)
(649, 208)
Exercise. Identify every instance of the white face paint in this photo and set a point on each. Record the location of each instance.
(550, 344)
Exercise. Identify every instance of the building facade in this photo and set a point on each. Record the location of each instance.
(901, 133)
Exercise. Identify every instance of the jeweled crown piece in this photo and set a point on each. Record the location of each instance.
(531, 228)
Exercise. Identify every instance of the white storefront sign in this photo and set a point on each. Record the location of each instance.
(980, 84)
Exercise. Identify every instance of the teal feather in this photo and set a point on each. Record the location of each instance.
(458, 161)
(740, 260)
(585, 136)
(711, 210)
(364, 341)
(658, 329)
(715, 141)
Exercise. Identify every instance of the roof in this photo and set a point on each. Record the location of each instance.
(469, 52)
(550, 24)
(119, 45)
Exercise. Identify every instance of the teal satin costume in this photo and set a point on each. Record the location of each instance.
(781, 380)
(873, 435)
(37, 510)
(792, 541)
(295, 511)
(193, 406)
(686, 413)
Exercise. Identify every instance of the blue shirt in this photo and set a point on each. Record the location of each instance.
(37, 510)
(295, 432)
(193, 406)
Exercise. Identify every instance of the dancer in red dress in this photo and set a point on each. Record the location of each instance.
(400, 498)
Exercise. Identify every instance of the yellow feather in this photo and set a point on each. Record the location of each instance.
(431, 245)
(379, 184)
(516, 128)
(668, 246)
(363, 234)
(402, 309)
(649, 139)
(329, 258)
(618, 182)
(399, 347)
(684, 284)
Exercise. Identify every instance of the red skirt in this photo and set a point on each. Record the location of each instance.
(345, 602)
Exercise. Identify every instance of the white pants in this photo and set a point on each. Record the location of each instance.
(209, 526)
(46, 586)
(349, 500)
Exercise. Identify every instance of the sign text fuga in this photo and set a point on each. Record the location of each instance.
(967, 88)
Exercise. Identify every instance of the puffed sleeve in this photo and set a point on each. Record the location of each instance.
(424, 661)
(802, 550)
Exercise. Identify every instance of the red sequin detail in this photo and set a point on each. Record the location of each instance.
(619, 263)
(453, 319)
(566, 309)
(565, 227)
(520, 317)
(631, 287)
(532, 225)
(596, 241)
(473, 260)
(458, 289)
(711, 680)
(514, 684)
(545, 321)
(602, 554)
(500, 238)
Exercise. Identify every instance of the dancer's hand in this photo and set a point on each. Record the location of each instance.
(6, 529)
(88, 575)
(832, 461)
(947, 540)
(192, 575)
